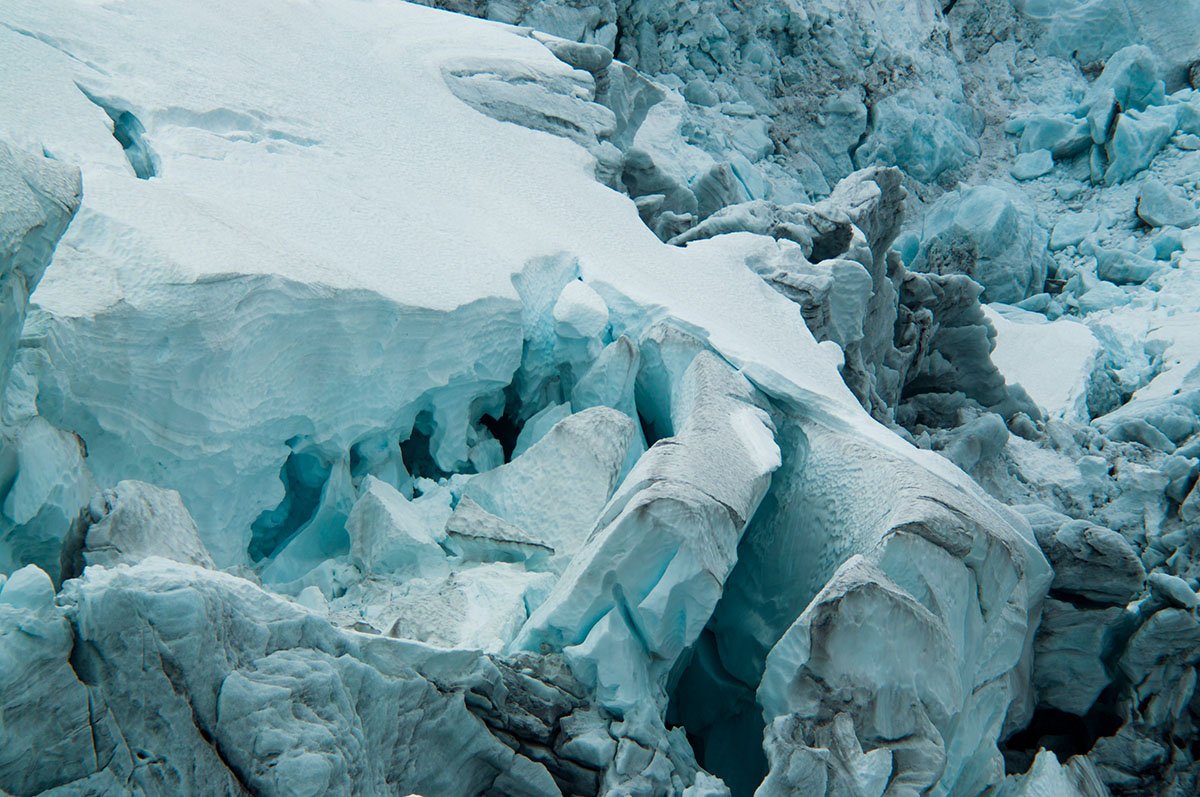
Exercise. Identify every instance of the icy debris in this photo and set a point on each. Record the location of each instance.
(246, 691)
(522, 295)
(898, 637)
(990, 234)
(1131, 81)
(47, 483)
(1123, 122)
(908, 132)
(1102, 296)
(129, 523)
(1062, 134)
(538, 425)
(833, 259)
(321, 538)
(856, 66)
(28, 589)
(1159, 206)
(1173, 590)
(785, 560)
(562, 105)
(892, 612)
(1095, 31)
(592, 58)
(478, 606)
(313, 599)
(1159, 662)
(42, 472)
(1157, 423)
(1137, 137)
(948, 336)
(1122, 267)
(610, 381)
(46, 712)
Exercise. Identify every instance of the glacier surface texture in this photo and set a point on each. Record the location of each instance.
(640, 398)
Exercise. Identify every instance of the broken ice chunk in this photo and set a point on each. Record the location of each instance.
(647, 580)
(481, 607)
(609, 382)
(319, 541)
(1131, 80)
(1092, 562)
(1137, 137)
(992, 235)
(38, 198)
(477, 535)
(1062, 134)
(129, 523)
(1070, 648)
(29, 588)
(1173, 590)
(867, 646)
(1101, 297)
(388, 533)
(1159, 206)
(1158, 662)
(1072, 228)
(556, 489)
(1048, 778)
(1031, 165)
(1124, 268)
(45, 711)
(538, 424)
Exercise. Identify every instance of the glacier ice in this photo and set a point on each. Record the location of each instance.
(673, 398)
(39, 199)
(992, 236)
(1031, 165)
(129, 523)
(1159, 206)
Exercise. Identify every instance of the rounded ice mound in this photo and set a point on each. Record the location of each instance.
(990, 234)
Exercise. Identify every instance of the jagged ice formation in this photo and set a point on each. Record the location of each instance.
(630, 398)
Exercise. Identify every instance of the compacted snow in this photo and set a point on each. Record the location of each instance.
(636, 398)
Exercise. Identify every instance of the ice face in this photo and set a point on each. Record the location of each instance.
(38, 198)
(43, 471)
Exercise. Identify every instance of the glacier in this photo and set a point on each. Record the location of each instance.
(638, 397)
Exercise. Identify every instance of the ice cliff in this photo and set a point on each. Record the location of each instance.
(538, 397)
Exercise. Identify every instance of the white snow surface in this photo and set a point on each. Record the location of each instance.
(412, 203)
(1052, 360)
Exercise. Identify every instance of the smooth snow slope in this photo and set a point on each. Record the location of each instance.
(316, 144)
